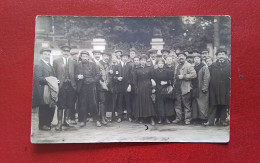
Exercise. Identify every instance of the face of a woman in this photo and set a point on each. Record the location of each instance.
(160, 64)
(143, 61)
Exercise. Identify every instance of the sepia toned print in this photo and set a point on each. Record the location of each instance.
(131, 79)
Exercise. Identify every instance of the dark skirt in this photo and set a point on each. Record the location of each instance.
(142, 101)
(165, 106)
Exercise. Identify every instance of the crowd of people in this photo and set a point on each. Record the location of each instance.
(179, 87)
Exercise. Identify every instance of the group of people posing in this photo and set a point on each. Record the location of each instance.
(177, 87)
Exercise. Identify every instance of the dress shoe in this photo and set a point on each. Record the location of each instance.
(224, 124)
(208, 124)
(73, 122)
(98, 124)
(82, 124)
(167, 121)
(45, 128)
(152, 122)
(66, 124)
(176, 121)
(104, 121)
(119, 120)
(187, 122)
(58, 127)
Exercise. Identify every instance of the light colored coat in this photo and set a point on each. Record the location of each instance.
(189, 73)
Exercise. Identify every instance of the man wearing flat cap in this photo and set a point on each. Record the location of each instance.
(219, 88)
(102, 86)
(123, 80)
(87, 75)
(204, 56)
(165, 53)
(64, 69)
(41, 71)
(184, 74)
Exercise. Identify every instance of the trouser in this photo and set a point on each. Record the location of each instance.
(102, 99)
(221, 110)
(88, 102)
(118, 100)
(74, 109)
(185, 101)
(66, 96)
(46, 114)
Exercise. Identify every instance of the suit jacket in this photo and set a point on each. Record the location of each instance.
(59, 68)
(41, 71)
(95, 72)
(189, 73)
(126, 73)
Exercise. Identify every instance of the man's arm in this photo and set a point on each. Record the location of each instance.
(39, 75)
(191, 73)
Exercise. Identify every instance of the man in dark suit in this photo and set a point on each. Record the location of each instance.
(41, 71)
(123, 80)
(88, 75)
(64, 70)
(219, 90)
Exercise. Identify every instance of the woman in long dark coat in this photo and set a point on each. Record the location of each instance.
(164, 80)
(143, 105)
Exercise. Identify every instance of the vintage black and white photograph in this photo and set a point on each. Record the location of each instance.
(131, 79)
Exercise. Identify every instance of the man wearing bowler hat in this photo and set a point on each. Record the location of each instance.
(64, 69)
(219, 89)
(123, 80)
(184, 73)
(41, 71)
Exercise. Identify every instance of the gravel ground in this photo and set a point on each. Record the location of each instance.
(128, 132)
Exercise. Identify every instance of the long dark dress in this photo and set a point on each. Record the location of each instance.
(143, 105)
(165, 105)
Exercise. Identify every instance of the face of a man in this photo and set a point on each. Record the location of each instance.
(197, 60)
(97, 56)
(182, 58)
(160, 64)
(204, 55)
(75, 57)
(169, 60)
(153, 56)
(114, 58)
(143, 61)
(165, 54)
(209, 62)
(118, 54)
(84, 57)
(105, 57)
(124, 58)
(132, 54)
(66, 53)
(137, 61)
(221, 56)
(46, 56)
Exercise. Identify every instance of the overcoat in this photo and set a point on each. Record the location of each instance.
(220, 83)
(41, 71)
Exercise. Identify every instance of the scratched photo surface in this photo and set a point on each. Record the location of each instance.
(131, 79)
